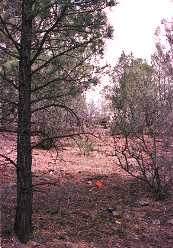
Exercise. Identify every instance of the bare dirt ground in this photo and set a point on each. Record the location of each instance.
(73, 201)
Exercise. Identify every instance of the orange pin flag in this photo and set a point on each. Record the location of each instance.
(99, 184)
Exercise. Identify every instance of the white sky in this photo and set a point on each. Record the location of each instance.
(134, 22)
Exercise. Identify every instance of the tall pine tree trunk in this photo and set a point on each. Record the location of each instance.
(23, 219)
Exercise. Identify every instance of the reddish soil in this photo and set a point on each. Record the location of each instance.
(73, 198)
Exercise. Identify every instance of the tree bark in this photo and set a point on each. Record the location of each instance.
(23, 218)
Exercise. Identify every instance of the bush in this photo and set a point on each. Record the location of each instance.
(51, 125)
(8, 230)
(86, 146)
(46, 143)
(143, 157)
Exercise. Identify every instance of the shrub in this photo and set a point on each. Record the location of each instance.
(86, 146)
(144, 157)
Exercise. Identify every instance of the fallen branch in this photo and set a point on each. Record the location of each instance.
(8, 159)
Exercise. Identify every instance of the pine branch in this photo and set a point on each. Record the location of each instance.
(8, 159)
(47, 33)
(8, 34)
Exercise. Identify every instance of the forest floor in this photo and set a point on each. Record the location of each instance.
(74, 198)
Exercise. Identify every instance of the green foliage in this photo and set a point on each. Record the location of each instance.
(8, 230)
(86, 146)
(64, 66)
(46, 142)
(133, 95)
(141, 122)
(41, 8)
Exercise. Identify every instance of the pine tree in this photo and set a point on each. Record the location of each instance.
(46, 52)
